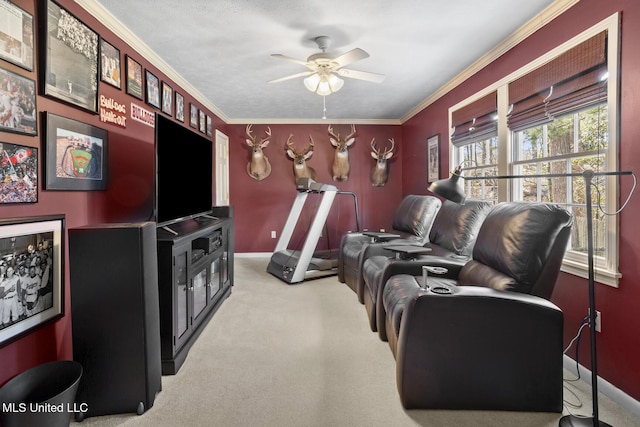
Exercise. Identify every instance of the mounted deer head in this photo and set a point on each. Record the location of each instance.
(340, 167)
(380, 171)
(259, 167)
(300, 168)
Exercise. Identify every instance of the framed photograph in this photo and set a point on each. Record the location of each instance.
(209, 126)
(167, 99)
(31, 274)
(202, 121)
(109, 63)
(16, 35)
(18, 174)
(433, 158)
(153, 89)
(193, 116)
(179, 107)
(77, 155)
(134, 77)
(70, 54)
(17, 103)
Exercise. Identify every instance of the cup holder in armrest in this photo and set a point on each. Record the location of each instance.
(441, 289)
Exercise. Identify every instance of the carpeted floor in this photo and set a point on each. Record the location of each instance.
(303, 355)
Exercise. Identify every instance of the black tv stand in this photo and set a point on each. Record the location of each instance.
(195, 276)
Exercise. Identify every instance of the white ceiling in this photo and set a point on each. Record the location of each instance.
(222, 49)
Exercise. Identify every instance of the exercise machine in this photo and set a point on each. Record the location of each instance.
(293, 266)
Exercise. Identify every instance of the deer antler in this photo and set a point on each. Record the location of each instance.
(253, 138)
(373, 147)
(248, 132)
(353, 132)
(393, 144)
(290, 143)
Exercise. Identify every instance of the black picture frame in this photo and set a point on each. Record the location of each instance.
(179, 107)
(153, 89)
(167, 99)
(37, 245)
(16, 46)
(18, 174)
(134, 77)
(76, 155)
(193, 116)
(433, 158)
(69, 52)
(202, 123)
(110, 64)
(18, 110)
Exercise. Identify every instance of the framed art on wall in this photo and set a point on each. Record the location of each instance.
(209, 126)
(134, 77)
(167, 99)
(153, 89)
(76, 155)
(18, 173)
(31, 274)
(17, 103)
(193, 116)
(70, 54)
(202, 121)
(109, 63)
(16, 35)
(433, 158)
(179, 107)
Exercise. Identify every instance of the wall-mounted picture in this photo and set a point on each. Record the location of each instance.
(31, 271)
(167, 99)
(433, 158)
(17, 103)
(70, 54)
(193, 116)
(202, 121)
(179, 107)
(16, 35)
(134, 77)
(109, 63)
(209, 126)
(153, 89)
(77, 155)
(18, 173)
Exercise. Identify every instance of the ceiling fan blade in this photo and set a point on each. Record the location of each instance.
(290, 59)
(361, 75)
(293, 76)
(350, 57)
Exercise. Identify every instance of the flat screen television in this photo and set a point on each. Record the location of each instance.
(184, 173)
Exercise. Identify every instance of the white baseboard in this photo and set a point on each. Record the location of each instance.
(612, 392)
(253, 255)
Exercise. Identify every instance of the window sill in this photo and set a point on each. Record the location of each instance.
(604, 276)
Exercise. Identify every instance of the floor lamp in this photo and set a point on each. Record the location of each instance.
(453, 190)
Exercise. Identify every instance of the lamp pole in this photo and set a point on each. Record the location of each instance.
(451, 189)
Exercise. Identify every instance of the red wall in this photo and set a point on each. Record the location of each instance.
(619, 342)
(263, 206)
(129, 196)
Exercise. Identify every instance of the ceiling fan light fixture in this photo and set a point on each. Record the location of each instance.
(323, 85)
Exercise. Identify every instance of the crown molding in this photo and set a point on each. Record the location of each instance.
(126, 35)
(534, 24)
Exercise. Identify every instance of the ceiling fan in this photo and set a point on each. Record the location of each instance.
(324, 68)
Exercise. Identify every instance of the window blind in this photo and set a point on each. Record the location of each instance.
(569, 82)
(475, 121)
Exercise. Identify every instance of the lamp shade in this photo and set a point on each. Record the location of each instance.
(323, 84)
(450, 188)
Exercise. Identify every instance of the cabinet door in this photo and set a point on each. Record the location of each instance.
(199, 286)
(181, 297)
(214, 278)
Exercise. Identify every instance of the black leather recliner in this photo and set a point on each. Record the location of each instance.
(452, 237)
(412, 222)
(485, 336)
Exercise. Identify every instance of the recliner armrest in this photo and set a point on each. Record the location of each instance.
(480, 348)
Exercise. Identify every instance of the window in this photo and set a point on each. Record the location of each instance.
(557, 115)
